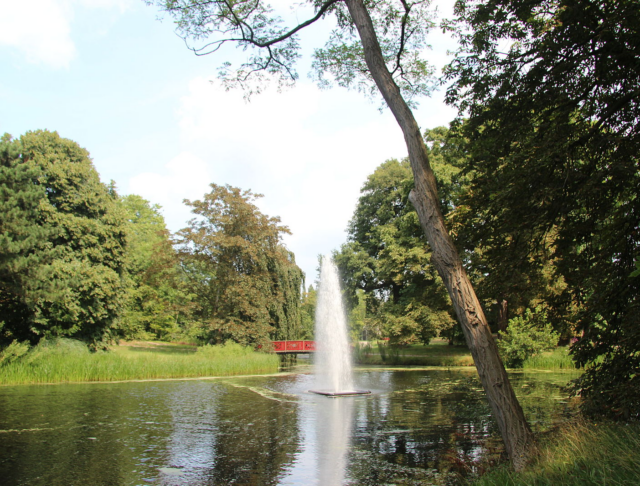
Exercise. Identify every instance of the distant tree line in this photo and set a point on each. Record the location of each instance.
(78, 260)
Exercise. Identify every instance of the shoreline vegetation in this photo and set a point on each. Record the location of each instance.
(579, 453)
(68, 361)
(439, 353)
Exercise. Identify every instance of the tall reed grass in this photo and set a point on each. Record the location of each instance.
(558, 359)
(577, 455)
(70, 361)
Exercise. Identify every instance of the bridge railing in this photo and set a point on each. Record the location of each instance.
(294, 346)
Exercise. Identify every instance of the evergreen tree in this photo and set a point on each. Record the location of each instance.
(63, 242)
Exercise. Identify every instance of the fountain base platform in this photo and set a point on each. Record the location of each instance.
(330, 393)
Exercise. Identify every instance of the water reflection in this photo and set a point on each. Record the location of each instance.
(333, 437)
(417, 427)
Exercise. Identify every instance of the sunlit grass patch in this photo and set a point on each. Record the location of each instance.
(70, 361)
(558, 359)
(439, 353)
(580, 454)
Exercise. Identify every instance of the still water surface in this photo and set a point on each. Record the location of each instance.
(419, 426)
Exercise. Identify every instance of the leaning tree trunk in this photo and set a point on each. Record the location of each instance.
(514, 428)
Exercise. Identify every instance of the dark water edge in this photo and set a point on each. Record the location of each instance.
(419, 426)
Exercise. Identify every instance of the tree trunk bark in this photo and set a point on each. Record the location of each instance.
(517, 435)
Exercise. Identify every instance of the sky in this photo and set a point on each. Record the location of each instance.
(116, 79)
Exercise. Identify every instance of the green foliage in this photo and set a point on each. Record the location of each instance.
(308, 313)
(228, 350)
(63, 242)
(554, 144)
(388, 258)
(556, 359)
(525, 337)
(158, 305)
(246, 283)
(273, 46)
(13, 352)
(437, 353)
(357, 318)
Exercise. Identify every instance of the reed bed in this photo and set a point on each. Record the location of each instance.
(68, 361)
(579, 454)
(558, 359)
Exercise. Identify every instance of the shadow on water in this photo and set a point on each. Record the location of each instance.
(417, 427)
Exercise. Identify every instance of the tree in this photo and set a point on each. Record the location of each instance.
(63, 243)
(158, 303)
(376, 47)
(553, 126)
(308, 313)
(527, 336)
(387, 256)
(246, 283)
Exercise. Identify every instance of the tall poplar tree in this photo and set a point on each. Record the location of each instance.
(376, 47)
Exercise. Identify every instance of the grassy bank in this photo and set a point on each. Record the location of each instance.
(578, 455)
(70, 361)
(439, 353)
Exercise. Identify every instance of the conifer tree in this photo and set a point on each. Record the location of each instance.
(62, 237)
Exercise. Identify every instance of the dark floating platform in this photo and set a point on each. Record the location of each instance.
(351, 393)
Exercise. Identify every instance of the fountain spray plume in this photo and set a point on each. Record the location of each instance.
(333, 364)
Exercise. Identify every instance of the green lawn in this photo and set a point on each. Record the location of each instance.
(438, 353)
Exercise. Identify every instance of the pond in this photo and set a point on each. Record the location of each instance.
(419, 426)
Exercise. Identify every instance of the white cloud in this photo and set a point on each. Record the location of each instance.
(185, 176)
(40, 30)
(308, 151)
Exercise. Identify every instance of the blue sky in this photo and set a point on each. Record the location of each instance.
(110, 76)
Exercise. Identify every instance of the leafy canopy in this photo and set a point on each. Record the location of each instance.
(551, 90)
(246, 282)
(388, 258)
(273, 45)
(158, 303)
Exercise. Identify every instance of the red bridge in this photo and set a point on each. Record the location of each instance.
(294, 347)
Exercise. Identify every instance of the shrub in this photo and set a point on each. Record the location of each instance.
(526, 336)
(13, 352)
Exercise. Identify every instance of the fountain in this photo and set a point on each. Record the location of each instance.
(333, 372)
